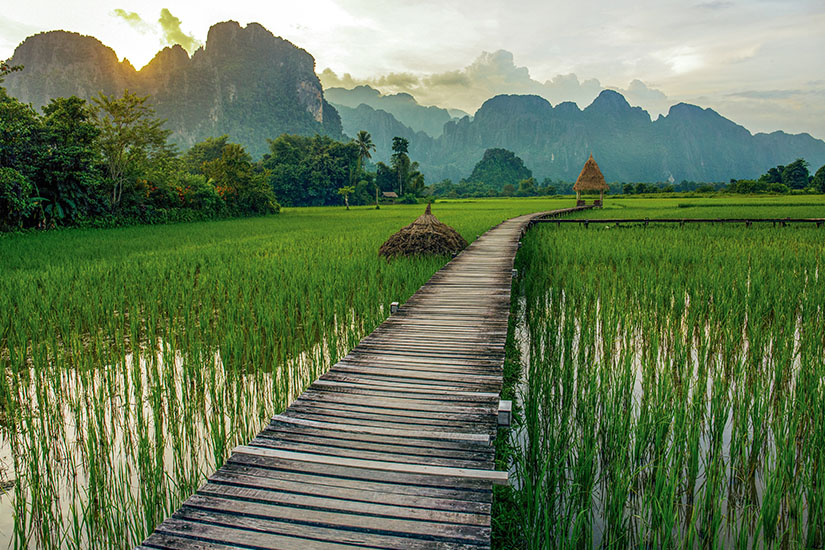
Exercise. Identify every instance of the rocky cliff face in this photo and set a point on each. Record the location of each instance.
(61, 64)
(244, 82)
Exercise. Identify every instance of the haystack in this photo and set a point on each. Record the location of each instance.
(426, 235)
(590, 179)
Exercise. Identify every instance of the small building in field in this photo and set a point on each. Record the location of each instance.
(389, 195)
(591, 180)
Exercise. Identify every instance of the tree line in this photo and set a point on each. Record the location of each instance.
(500, 173)
(109, 162)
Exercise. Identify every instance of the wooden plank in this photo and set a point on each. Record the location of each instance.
(373, 421)
(347, 505)
(495, 476)
(454, 394)
(366, 451)
(231, 518)
(377, 493)
(400, 432)
(392, 482)
(256, 533)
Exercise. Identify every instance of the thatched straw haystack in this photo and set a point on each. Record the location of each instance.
(426, 235)
(591, 178)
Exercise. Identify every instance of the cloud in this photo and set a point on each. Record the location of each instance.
(172, 33)
(653, 100)
(715, 5)
(490, 74)
(768, 94)
(134, 20)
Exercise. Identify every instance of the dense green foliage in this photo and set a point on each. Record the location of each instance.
(308, 171)
(111, 164)
(498, 168)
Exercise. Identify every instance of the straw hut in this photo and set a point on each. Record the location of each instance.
(590, 179)
(426, 235)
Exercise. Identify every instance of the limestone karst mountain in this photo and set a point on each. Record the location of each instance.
(254, 86)
(244, 82)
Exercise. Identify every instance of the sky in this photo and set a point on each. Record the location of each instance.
(760, 63)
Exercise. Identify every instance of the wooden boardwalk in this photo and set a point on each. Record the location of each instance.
(392, 448)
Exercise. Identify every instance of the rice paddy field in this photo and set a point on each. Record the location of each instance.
(673, 384)
(672, 392)
(135, 359)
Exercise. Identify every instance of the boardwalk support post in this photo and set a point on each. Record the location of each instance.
(394, 308)
(515, 273)
(505, 413)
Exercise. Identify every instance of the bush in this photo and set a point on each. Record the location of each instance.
(17, 199)
(408, 199)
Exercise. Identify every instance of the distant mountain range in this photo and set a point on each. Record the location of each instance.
(689, 143)
(244, 82)
(254, 86)
(403, 107)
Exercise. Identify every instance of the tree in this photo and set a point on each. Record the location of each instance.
(204, 151)
(795, 175)
(17, 199)
(130, 138)
(499, 167)
(346, 192)
(236, 181)
(308, 171)
(819, 180)
(365, 146)
(400, 161)
(68, 175)
(773, 175)
(526, 188)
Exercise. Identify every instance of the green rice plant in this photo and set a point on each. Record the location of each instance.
(672, 392)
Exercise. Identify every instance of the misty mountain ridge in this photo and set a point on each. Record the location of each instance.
(253, 86)
(402, 106)
(690, 142)
(244, 82)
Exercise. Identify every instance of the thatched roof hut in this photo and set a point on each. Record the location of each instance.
(590, 179)
(426, 235)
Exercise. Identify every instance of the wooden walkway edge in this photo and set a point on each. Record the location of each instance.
(392, 448)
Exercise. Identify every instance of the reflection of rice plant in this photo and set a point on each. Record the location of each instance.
(674, 392)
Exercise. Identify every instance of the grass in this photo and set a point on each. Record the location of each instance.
(719, 206)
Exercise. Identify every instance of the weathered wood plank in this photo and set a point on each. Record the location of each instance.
(495, 476)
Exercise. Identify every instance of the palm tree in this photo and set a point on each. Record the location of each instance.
(365, 145)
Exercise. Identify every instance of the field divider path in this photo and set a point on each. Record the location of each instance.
(392, 447)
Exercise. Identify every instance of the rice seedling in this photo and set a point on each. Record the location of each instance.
(673, 389)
